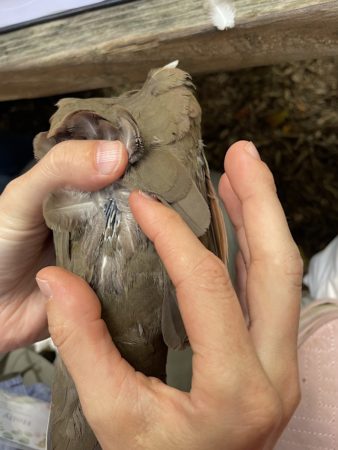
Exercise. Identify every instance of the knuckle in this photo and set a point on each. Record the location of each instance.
(288, 264)
(291, 399)
(294, 263)
(271, 416)
(12, 186)
(294, 401)
(210, 268)
(61, 159)
(260, 413)
(266, 414)
(52, 165)
(60, 334)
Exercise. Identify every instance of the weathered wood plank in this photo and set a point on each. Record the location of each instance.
(110, 46)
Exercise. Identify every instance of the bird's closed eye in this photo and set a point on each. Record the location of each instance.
(87, 125)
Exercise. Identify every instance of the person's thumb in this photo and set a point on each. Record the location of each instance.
(81, 165)
(81, 336)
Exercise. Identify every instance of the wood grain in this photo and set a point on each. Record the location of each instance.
(119, 44)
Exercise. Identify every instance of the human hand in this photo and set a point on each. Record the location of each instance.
(245, 380)
(25, 242)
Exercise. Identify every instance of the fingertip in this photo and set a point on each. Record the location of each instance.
(251, 150)
(234, 149)
(49, 271)
(247, 173)
(147, 210)
(133, 197)
(243, 145)
(239, 150)
(223, 185)
(238, 145)
(136, 203)
(81, 335)
(70, 296)
(110, 158)
(139, 199)
(58, 276)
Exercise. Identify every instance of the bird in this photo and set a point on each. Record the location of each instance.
(96, 236)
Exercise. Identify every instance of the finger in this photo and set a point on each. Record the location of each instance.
(275, 272)
(262, 215)
(83, 165)
(208, 304)
(16, 330)
(234, 208)
(81, 336)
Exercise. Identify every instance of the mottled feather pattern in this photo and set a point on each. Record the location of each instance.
(172, 80)
(116, 231)
(120, 239)
(68, 209)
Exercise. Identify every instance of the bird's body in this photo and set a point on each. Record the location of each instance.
(96, 236)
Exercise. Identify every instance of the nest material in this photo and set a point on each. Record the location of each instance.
(291, 113)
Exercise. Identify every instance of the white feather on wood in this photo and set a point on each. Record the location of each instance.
(171, 65)
(222, 13)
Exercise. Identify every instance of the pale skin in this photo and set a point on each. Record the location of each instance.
(245, 378)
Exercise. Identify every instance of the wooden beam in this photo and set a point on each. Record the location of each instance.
(119, 44)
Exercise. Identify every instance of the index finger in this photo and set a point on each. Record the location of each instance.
(210, 310)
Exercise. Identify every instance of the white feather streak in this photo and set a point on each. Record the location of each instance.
(74, 208)
(222, 14)
(171, 65)
(104, 263)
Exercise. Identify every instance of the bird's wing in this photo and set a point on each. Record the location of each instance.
(164, 107)
(162, 175)
(78, 222)
(173, 330)
(216, 236)
(174, 186)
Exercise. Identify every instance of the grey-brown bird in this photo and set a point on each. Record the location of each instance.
(96, 236)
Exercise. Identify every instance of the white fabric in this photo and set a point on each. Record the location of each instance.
(322, 276)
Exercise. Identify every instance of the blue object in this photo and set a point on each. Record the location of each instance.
(70, 12)
(16, 386)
